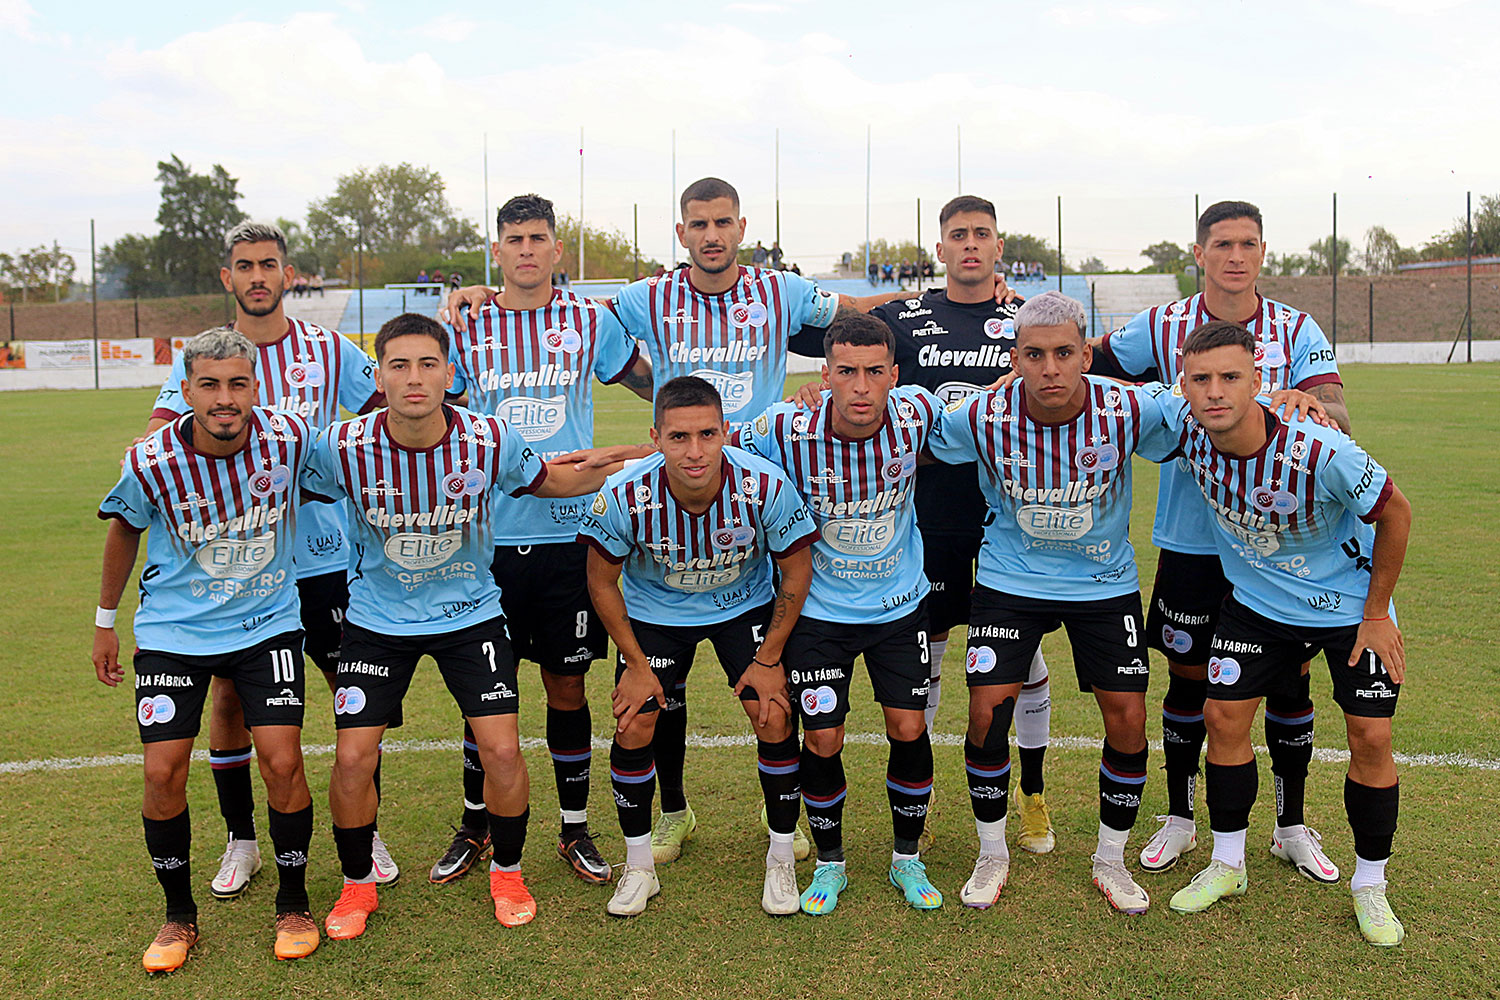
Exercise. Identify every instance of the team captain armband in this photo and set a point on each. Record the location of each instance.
(825, 305)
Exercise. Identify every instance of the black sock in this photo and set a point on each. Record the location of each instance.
(632, 777)
(908, 786)
(354, 844)
(780, 783)
(231, 770)
(1031, 769)
(475, 816)
(508, 834)
(1230, 794)
(1372, 818)
(669, 747)
(1182, 733)
(379, 757)
(988, 768)
(823, 791)
(1289, 735)
(1122, 778)
(570, 736)
(168, 842)
(291, 836)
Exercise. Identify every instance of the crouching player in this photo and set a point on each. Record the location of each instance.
(216, 490)
(690, 530)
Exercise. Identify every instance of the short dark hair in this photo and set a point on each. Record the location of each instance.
(1218, 333)
(411, 324)
(1222, 211)
(250, 231)
(683, 391)
(966, 203)
(708, 189)
(857, 329)
(525, 208)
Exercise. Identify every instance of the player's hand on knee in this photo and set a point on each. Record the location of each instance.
(107, 657)
(808, 395)
(1381, 637)
(1294, 402)
(769, 685)
(472, 297)
(636, 688)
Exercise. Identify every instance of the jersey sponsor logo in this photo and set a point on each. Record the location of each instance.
(860, 536)
(156, 711)
(253, 519)
(548, 374)
(305, 374)
(1112, 398)
(981, 660)
(534, 419)
(819, 700)
(461, 484)
(735, 388)
(1270, 353)
(382, 488)
(1044, 521)
(1000, 329)
(642, 493)
(699, 580)
(287, 698)
(1223, 670)
(1175, 640)
(1366, 480)
(857, 569)
(733, 537)
(1279, 501)
(739, 352)
(1298, 450)
(267, 481)
(984, 356)
(913, 303)
(349, 701)
(361, 667)
(800, 423)
(1097, 457)
(928, 329)
(192, 502)
(899, 467)
(1324, 355)
(150, 447)
(416, 551)
(237, 558)
(440, 517)
(278, 422)
(564, 339)
(1377, 689)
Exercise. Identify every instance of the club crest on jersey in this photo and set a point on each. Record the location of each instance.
(981, 660)
(899, 467)
(1267, 500)
(156, 711)
(734, 389)
(348, 701)
(267, 481)
(642, 493)
(1174, 640)
(1098, 457)
(1270, 353)
(564, 339)
(304, 374)
(1223, 670)
(601, 505)
(733, 537)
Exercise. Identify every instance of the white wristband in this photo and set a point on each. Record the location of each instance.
(105, 617)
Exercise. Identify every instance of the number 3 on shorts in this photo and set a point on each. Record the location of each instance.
(922, 645)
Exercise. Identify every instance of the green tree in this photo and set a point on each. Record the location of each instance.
(1322, 256)
(196, 211)
(607, 253)
(1383, 252)
(39, 273)
(134, 261)
(1092, 265)
(1286, 265)
(1167, 258)
(1033, 249)
(1486, 233)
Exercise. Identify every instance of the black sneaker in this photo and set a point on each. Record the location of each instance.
(588, 864)
(467, 847)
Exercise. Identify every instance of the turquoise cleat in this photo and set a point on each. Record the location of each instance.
(910, 877)
(822, 895)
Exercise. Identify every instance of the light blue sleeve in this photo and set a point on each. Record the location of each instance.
(1351, 477)
(356, 376)
(170, 398)
(810, 305)
(460, 375)
(631, 307)
(607, 526)
(953, 439)
(127, 501)
(320, 479)
(788, 522)
(615, 350)
(518, 469)
(1312, 355)
(1133, 346)
(1158, 440)
(755, 436)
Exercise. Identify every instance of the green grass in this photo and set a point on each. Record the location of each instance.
(80, 901)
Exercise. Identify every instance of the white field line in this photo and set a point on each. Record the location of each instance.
(721, 742)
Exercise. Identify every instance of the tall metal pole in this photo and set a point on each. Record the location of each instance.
(867, 199)
(918, 275)
(1059, 243)
(959, 154)
(359, 252)
(94, 297)
(1197, 271)
(672, 201)
(1469, 270)
(1333, 268)
(1372, 313)
(581, 240)
(635, 213)
(486, 248)
(778, 187)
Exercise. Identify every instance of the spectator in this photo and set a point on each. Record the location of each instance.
(758, 255)
(455, 281)
(315, 284)
(795, 269)
(422, 277)
(873, 271)
(887, 273)
(1018, 270)
(776, 254)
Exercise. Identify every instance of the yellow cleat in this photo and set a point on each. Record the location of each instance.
(1036, 825)
(296, 935)
(170, 949)
(1377, 921)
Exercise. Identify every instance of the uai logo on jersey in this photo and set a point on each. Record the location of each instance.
(1098, 457)
(156, 711)
(734, 389)
(304, 374)
(1265, 499)
(267, 481)
(534, 419)
(1223, 670)
(734, 537)
(899, 467)
(1270, 353)
(981, 660)
(1176, 640)
(459, 484)
(564, 339)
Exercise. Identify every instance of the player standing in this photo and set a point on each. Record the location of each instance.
(216, 493)
(690, 530)
(1312, 533)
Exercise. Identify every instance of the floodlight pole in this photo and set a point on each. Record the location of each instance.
(672, 201)
(1469, 272)
(1059, 243)
(580, 204)
(94, 298)
(486, 248)
(1197, 271)
(1333, 268)
(959, 155)
(867, 199)
(778, 187)
(635, 214)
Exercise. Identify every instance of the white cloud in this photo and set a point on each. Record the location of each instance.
(15, 19)
(448, 27)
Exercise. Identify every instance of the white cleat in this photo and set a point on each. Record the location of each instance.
(385, 869)
(1119, 888)
(983, 888)
(237, 866)
(780, 897)
(1302, 848)
(633, 891)
(1176, 837)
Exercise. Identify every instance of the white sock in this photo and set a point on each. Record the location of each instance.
(367, 880)
(1367, 873)
(1179, 821)
(504, 868)
(935, 649)
(1034, 707)
(897, 856)
(992, 839)
(1289, 832)
(675, 815)
(1230, 848)
(780, 850)
(1111, 845)
(638, 852)
(575, 815)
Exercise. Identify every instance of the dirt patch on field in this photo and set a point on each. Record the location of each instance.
(118, 319)
(1407, 307)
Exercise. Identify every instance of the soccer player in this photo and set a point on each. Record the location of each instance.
(423, 476)
(690, 530)
(1291, 352)
(529, 357)
(306, 370)
(216, 492)
(1312, 533)
(853, 458)
(953, 341)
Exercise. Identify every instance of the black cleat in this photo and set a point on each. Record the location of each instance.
(468, 847)
(588, 864)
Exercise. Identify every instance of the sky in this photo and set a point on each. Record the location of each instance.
(1124, 110)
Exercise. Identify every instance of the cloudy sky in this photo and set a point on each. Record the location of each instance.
(1125, 110)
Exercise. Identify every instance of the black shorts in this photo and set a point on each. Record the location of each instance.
(948, 560)
(820, 664)
(1185, 606)
(375, 670)
(1105, 634)
(670, 649)
(170, 687)
(325, 598)
(1254, 656)
(544, 593)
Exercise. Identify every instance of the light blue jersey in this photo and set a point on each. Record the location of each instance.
(1059, 495)
(422, 525)
(867, 561)
(310, 372)
(220, 534)
(682, 568)
(533, 370)
(1291, 352)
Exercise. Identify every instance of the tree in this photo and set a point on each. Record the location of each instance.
(134, 261)
(1167, 258)
(1322, 256)
(1383, 252)
(196, 211)
(1018, 246)
(300, 253)
(39, 272)
(1092, 265)
(1033, 249)
(608, 253)
(1285, 265)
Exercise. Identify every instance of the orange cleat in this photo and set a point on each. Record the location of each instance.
(348, 916)
(513, 903)
(170, 949)
(296, 935)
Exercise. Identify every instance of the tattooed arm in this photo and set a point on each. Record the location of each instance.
(1331, 395)
(765, 675)
(638, 379)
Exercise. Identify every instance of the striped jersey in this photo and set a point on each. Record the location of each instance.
(422, 521)
(682, 568)
(867, 559)
(737, 340)
(1059, 495)
(311, 372)
(532, 369)
(1293, 522)
(220, 534)
(1291, 352)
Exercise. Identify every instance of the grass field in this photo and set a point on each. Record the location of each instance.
(80, 903)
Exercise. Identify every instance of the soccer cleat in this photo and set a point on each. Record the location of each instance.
(1304, 852)
(1208, 887)
(175, 940)
(822, 894)
(1036, 825)
(672, 831)
(355, 904)
(588, 864)
(1377, 922)
(468, 847)
(237, 866)
(910, 876)
(1166, 847)
(296, 935)
(779, 898)
(983, 888)
(1120, 890)
(386, 871)
(513, 903)
(633, 891)
(801, 846)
